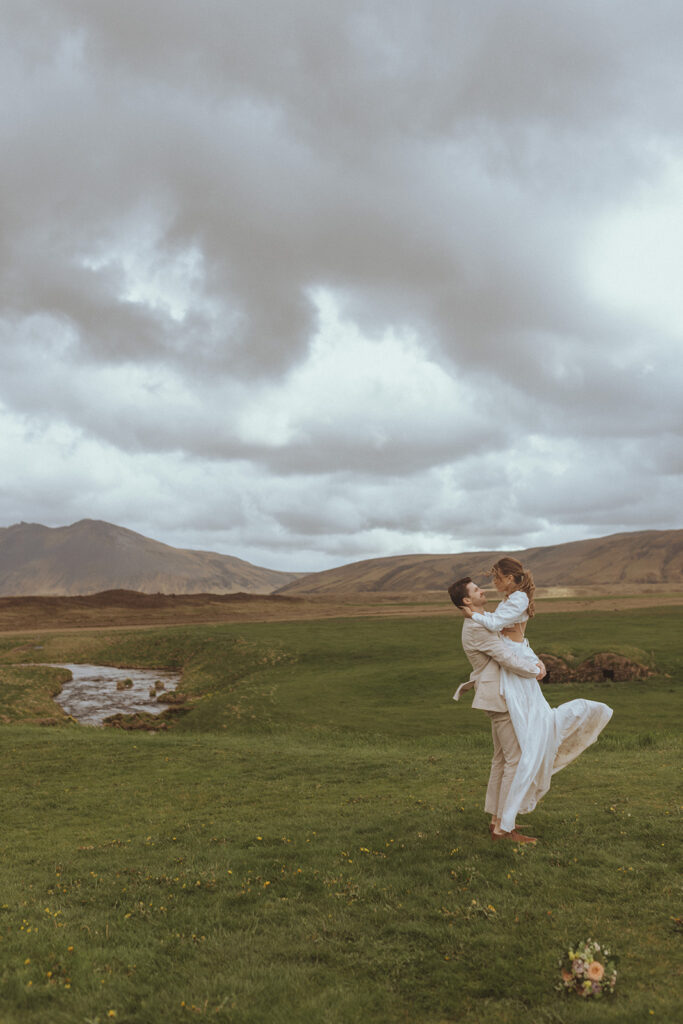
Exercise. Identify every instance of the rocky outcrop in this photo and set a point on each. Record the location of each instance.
(557, 669)
(139, 720)
(611, 666)
(146, 721)
(173, 697)
(599, 667)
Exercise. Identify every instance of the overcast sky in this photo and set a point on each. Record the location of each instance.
(310, 282)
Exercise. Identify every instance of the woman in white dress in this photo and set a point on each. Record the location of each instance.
(549, 738)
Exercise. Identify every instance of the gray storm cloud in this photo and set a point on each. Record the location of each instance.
(294, 280)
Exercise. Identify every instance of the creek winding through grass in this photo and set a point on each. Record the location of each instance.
(91, 695)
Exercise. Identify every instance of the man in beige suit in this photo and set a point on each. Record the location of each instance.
(487, 652)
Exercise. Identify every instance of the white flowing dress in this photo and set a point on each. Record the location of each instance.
(549, 738)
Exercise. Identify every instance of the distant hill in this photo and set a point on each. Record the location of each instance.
(651, 556)
(91, 556)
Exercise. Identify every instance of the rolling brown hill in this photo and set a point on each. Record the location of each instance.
(92, 556)
(647, 557)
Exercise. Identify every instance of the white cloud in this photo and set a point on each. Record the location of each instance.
(635, 252)
(308, 283)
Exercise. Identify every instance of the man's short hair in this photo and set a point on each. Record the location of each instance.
(458, 590)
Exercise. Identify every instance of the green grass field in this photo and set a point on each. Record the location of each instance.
(307, 843)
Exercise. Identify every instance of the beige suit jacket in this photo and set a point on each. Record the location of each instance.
(487, 653)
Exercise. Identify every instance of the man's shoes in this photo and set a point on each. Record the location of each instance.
(515, 836)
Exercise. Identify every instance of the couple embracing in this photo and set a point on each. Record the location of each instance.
(531, 740)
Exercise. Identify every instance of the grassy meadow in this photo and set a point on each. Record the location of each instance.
(306, 841)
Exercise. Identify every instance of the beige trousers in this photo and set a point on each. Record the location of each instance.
(506, 755)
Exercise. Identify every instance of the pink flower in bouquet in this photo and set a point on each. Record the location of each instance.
(595, 971)
(577, 966)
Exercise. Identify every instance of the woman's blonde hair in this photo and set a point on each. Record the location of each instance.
(523, 580)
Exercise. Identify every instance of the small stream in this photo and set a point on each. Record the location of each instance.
(91, 695)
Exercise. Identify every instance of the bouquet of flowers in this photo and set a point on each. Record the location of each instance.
(588, 969)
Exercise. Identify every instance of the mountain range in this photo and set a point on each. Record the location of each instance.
(92, 556)
(646, 557)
